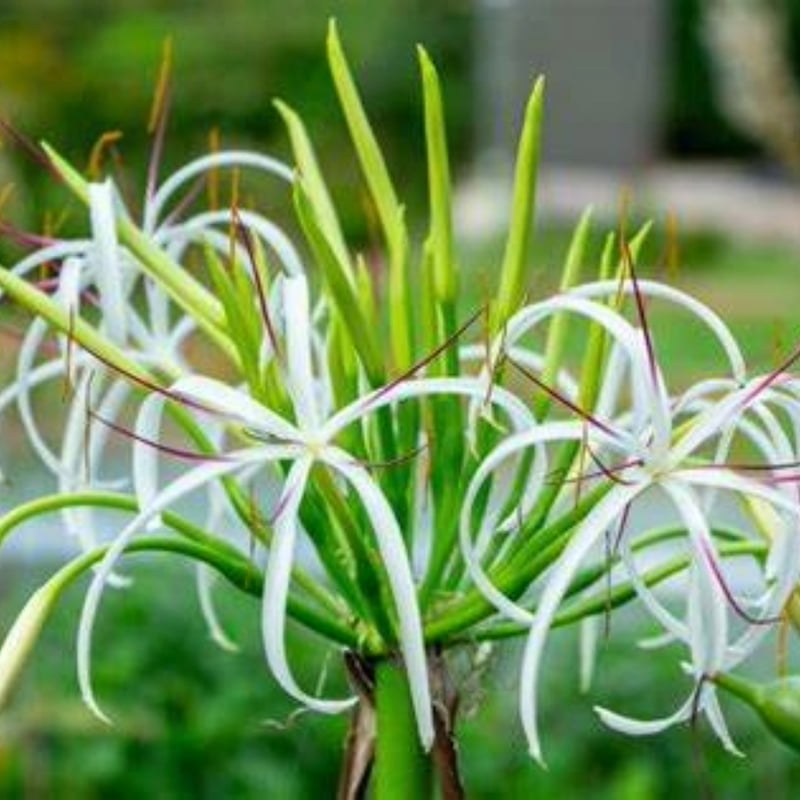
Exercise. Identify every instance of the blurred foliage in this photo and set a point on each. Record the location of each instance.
(70, 71)
(192, 720)
(69, 81)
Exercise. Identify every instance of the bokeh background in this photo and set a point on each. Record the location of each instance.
(693, 106)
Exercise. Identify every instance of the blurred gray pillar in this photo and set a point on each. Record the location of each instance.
(604, 65)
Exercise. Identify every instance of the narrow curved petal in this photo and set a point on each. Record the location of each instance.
(591, 529)
(398, 570)
(276, 591)
(235, 404)
(228, 158)
(107, 268)
(188, 482)
(533, 438)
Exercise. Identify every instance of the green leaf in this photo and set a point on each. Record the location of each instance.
(441, 222)
(390, 211)
(318, 193)
(512, 276)
(341, 289)
(369, 153)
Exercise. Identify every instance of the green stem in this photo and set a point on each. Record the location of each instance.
(402, 769)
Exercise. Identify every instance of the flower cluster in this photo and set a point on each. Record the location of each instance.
(473, 484)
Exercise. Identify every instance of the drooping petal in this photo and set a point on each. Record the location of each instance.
(580, 545)
(188, 482)
(398, 570)
(639, 727)
(533, 438)
(276, 591)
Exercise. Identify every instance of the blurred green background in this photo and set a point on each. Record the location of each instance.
(192, 720)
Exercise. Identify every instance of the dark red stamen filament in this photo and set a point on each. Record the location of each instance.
(560, 398)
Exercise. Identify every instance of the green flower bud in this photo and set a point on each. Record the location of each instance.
(777, 703)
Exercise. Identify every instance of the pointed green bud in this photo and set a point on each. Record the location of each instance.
(441, 217)
(777, 703)
(512, 276)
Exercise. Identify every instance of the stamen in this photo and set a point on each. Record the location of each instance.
(25, 238)
(243, 233)
(212, 183)
(101, 147)
(170, 450)
(27, 146)
(150, 384)
(556, 395)
(159, 112)
(604, 470)
(640, 309)
(409, 373)
(726, 590)
(185, 202)
(393, 462)
(768, 380)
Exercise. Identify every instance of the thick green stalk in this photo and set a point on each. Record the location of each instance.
(402, 769)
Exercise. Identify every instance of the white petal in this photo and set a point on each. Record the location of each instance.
(276, 591)
(188, 482)
(519, 415)
(107, 269)
(398, 570)
(205, 583)
(298, 347)
(228, 158)
(146, 479)
(580, 544)
(236, 405)
(588, 632)
(558, 431)
(638, 727)
(691, 304)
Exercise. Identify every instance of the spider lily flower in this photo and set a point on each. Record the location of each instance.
(156, 338)
(654, 455)
(304, 441)
(109, 274)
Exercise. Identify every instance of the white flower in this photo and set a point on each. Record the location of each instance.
(647, 452)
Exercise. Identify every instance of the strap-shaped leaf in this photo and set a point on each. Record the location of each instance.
(512, 277)
(308, 165)
(341, 289)
(441, 222)
(368, 151)
(390, 211)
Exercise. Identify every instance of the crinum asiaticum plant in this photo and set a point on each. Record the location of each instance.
(455, 480)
